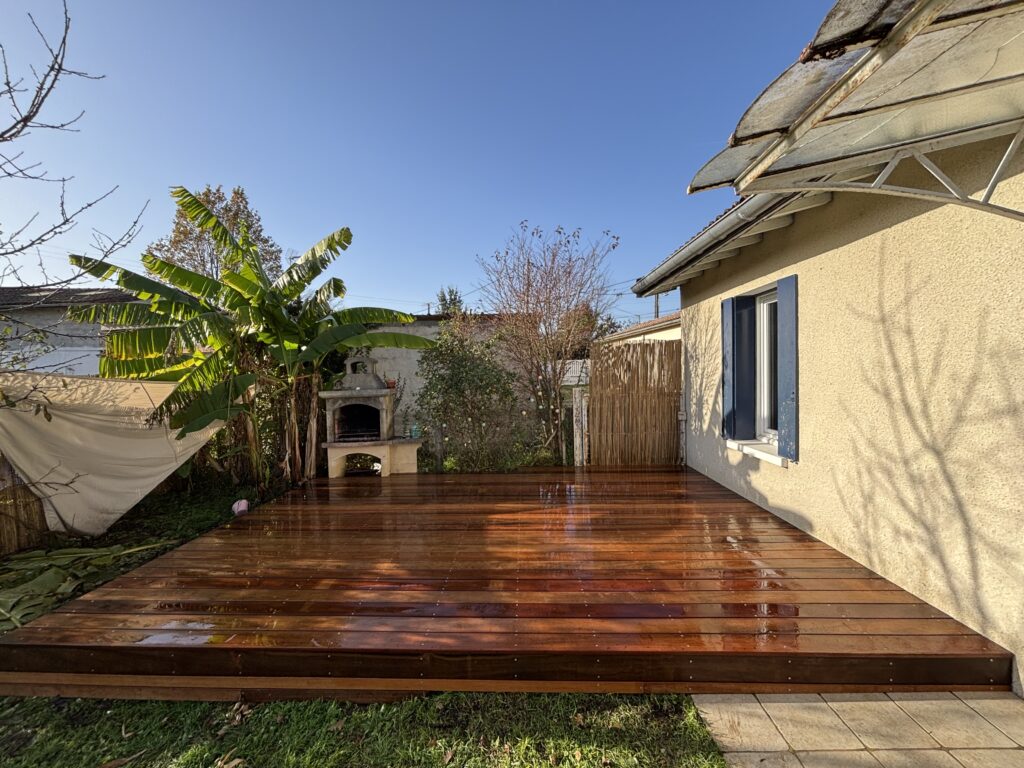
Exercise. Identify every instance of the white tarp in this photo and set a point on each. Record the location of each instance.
(97, 456)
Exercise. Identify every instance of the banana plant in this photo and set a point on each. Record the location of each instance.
(221, 338)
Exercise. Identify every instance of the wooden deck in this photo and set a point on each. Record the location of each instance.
(607, 580)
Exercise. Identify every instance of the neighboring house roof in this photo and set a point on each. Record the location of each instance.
(647, 326)
(31, 297)
(577, 373)
(883, 81)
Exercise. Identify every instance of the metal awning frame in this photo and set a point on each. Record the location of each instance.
(824, 178)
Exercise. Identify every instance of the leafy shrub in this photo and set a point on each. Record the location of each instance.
(468, 404)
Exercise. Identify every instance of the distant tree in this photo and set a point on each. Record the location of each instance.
(549, 292)
(192, 246)
(604, 325)
(449, 301)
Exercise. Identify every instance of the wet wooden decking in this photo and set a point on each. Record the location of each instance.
(605, 580)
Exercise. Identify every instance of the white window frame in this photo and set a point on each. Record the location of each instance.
(762, 406)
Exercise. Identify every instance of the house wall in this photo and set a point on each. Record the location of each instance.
(77, 352)
(402, 364)
(663, 334)
(911, 390)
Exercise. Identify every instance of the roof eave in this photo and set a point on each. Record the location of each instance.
(745, 214)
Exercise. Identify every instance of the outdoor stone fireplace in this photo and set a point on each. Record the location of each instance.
(361, 420)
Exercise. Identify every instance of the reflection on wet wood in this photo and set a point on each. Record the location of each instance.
(557, 579)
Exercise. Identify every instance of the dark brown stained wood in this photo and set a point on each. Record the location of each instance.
(545, 580)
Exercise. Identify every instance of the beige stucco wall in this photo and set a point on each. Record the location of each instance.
(911, 390)
(671, 333)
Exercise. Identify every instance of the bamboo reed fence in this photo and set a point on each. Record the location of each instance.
(22, 521)
(634, 403)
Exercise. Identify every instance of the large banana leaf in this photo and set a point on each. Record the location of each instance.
(201, 376)
(372, 316)
(133, 343)
(226, 413)
(242, 285)
(136, 368)
(208, 330)
(318, 306)
(393, 340)
(193, 282)
(206, 219)
(217, 398)
(305, 269)
(141, 286)
(329, 339)
(126, 315)
(251, 265)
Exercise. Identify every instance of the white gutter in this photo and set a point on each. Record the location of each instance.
(748, 211)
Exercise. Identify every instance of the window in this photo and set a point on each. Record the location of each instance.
(759, 370)
(766, 407)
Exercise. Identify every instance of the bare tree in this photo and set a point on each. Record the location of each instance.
(26, 94)
(549, 291)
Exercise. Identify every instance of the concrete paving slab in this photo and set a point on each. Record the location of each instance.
(878, 722)
(951, 722)
(807, 722)
(915, 758)
(738, 723)
(838, 760)
(1001, 708)
(989, 758)
(763, 760)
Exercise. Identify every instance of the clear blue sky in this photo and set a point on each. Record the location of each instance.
(429, 128)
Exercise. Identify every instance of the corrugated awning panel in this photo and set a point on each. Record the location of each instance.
(953, 78)
(724, 167)
(791, 94)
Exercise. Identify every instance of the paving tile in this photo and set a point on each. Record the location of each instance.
(950, 721)
(1001, 708)
(837, 760)
(738, 723)
(855, 697)
(763, 760)
(807, 722)
(989, 758)
(915, 758)
(878, 721)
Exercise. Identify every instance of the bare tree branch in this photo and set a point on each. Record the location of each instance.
(26, 96)
(549, 291)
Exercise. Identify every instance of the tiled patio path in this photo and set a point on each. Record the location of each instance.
(867, 730)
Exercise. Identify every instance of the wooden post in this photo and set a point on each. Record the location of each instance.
(579, 426)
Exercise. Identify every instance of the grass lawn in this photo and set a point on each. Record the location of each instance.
(435, 730)
(439, 730)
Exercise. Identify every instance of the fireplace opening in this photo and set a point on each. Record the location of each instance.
(357, 422)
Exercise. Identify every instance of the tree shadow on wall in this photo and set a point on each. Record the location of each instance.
(933, 488)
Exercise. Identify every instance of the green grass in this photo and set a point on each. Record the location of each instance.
(452, 729)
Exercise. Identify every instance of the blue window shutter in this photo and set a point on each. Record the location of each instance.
(728, 390)
(744, 345)
(788, 385)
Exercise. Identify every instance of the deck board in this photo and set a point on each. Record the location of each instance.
(542, 580)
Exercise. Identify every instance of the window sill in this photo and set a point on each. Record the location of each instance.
(759, 450)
